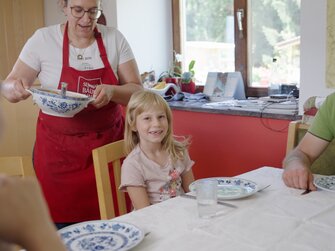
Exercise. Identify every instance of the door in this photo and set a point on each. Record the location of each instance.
(18, 20)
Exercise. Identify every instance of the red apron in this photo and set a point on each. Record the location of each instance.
(63, 148)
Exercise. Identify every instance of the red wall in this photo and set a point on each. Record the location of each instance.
(226, 145)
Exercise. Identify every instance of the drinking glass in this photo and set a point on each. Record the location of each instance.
(207, 197)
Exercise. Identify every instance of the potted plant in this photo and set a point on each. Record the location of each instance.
(174, 73)
(170, 76)
(186, 80)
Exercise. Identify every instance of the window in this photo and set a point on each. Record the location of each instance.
(213, 33)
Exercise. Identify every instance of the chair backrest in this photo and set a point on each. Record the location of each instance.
(325, 163)
(102, 156)
(296, 131)
(17, 166)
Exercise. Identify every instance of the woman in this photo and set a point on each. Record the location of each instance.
(94, 60)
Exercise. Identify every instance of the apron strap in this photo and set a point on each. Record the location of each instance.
(66, 47)
(103, 53)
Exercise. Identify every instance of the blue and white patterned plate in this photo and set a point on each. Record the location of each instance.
(231, 188)
(325, 183)
(101, 235)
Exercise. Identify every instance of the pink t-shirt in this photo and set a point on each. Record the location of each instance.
(161, 182)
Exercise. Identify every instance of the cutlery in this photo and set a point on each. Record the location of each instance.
(306, 191)
(189, 196)
(260, 190)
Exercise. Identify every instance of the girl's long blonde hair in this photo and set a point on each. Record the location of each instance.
(140, 102)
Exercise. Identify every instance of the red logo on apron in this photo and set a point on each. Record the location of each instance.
(87, 86)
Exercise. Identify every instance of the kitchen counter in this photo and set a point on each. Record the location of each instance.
(267, 111)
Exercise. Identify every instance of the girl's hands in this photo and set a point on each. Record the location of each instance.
(103, 95)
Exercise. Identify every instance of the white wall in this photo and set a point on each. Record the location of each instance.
(109, 9)
(147, 25)
(313, 49)
(54, 14)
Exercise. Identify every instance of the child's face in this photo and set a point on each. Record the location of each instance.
(152, 125)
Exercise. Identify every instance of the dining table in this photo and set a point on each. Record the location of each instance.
(276, 218)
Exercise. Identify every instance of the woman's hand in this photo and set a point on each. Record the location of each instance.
(15, 90)
(103, 95)
(19, 79)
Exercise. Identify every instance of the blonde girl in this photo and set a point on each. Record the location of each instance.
(158, 166)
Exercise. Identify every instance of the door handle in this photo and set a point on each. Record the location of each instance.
(239, 17)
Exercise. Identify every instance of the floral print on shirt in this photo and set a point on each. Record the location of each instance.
(171, 188)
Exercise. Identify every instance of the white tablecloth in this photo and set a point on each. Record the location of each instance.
(277, 218)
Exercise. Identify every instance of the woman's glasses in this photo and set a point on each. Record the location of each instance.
(79, 12)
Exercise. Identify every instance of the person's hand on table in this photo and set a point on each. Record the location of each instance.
(24, 216)
(298, 176)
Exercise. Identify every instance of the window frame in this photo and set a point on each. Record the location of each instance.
(241, 44)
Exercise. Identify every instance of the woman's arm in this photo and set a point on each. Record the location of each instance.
(130, 82)
(139, 197)
(21, 77)
(187, 178)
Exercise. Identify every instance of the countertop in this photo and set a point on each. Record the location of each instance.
(248, 108)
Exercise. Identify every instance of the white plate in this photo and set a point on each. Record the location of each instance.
(231, 188)
(101, 235)
(325, 183)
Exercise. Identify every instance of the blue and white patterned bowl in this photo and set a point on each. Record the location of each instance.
(325, 182)
(101, 235)
(51, 102)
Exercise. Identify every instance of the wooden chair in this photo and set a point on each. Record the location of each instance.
(296, 131)
(102, 156)
(325, 163)
(17, 166)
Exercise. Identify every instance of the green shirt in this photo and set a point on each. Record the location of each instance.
(323, 125)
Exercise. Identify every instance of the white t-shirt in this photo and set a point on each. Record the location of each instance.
(161, 182)
(44, 53)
